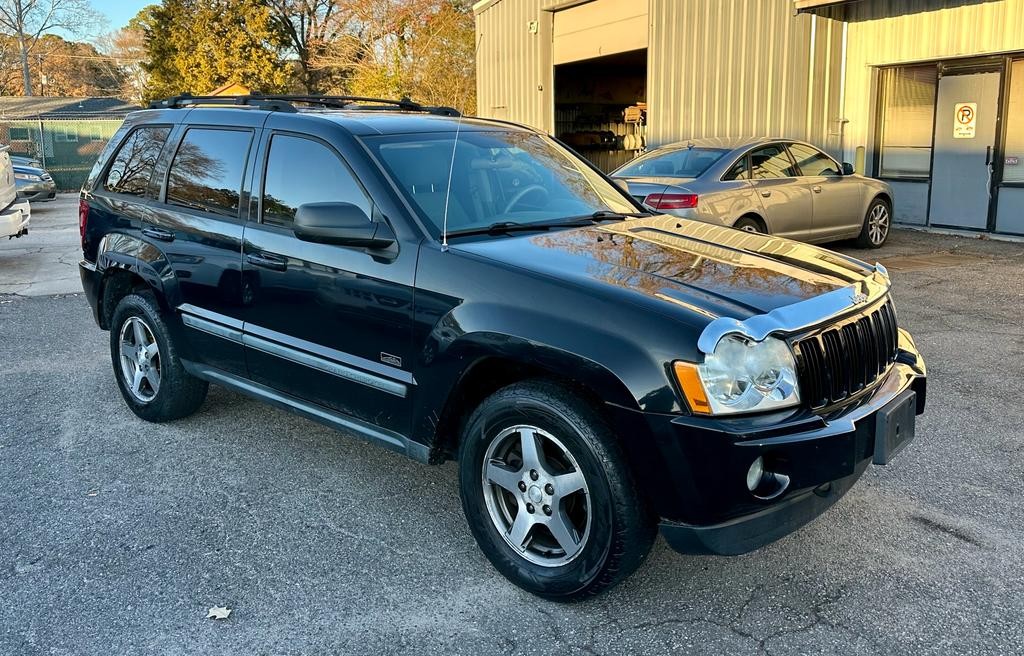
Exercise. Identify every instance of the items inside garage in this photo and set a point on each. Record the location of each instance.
(601, 108)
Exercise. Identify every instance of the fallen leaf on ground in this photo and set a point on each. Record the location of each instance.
(218, 613)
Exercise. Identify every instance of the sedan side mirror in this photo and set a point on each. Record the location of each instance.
(621, 184)
(848, 168)
(342, 224)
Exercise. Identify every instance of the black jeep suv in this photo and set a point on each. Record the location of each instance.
(456, 288)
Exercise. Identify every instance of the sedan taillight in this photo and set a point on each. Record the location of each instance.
(83, 218)
(671, 201)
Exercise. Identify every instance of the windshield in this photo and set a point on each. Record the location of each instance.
(515, 177)
(678, 163)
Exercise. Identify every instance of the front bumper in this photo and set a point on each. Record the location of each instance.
(38, 191)
(709, 508)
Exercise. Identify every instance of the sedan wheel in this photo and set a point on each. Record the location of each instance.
(877, 222)
(140, 359)
(536, 495)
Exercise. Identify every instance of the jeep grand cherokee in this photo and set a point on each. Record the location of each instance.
(457, 288)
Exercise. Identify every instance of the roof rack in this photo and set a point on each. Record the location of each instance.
(286, 103)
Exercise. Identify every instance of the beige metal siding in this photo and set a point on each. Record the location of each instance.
(742, 67)
(514, 71)
(894, 32)
(595, 29)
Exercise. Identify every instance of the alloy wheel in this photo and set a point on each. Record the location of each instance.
(536, 495)
(140, 359)
(878, 224)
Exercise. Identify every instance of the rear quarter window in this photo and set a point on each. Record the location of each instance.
(132, 167)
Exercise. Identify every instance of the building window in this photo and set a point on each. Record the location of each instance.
(19, 134)
(65, 134)
(1013, 162)
(907, 120)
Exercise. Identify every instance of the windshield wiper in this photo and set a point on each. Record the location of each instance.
(505, 227)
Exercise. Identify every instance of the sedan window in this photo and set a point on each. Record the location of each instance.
(771, 162)
(677, 163)
(812, 161)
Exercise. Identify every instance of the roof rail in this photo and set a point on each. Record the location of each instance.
(286, 103)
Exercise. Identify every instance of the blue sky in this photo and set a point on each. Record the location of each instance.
(119, 12)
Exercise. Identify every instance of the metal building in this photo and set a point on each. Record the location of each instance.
(927, 94)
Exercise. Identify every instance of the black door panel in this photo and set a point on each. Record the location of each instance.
(328, 324)
(200, 228)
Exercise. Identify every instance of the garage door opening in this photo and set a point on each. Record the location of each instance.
(601, 107)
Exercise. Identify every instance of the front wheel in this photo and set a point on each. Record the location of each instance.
(548, 494)
(877, 221)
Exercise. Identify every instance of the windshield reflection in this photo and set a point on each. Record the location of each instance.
(516, 177)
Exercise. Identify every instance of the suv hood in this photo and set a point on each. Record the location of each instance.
(678, 264)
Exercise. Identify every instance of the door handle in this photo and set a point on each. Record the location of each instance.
(816, 189)
(766, 194)
(158, 233)
(267, 261)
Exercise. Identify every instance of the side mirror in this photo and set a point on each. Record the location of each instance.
(848, 168)
(621, 184)
(342, 224)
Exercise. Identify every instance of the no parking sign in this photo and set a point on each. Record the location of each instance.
(965, 117)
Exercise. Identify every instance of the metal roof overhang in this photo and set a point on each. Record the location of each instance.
(805, 6)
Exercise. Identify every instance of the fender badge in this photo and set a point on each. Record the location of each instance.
(392, 360)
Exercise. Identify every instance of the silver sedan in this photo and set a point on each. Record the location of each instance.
(778, 186)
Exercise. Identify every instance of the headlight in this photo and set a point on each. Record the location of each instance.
(28, 176)
(741, 376)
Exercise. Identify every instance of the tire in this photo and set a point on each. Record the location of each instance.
(164, 391)
(877, 224)
(749, 224)
(609, 529)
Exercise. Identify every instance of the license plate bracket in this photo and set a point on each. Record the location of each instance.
(894, 426)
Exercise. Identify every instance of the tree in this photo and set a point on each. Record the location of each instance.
(309, 27)
(126, 49)
(69, 68)
(424, 49)
(28, 20)
(196, 46)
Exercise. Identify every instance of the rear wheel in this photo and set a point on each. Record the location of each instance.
(877, 221)
(749, 224)
(548, 495)
(149, 373)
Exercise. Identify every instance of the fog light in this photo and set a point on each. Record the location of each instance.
(755, 473)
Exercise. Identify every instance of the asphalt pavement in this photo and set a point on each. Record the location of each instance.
(117, 536)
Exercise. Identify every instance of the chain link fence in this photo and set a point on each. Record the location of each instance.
(66, 147)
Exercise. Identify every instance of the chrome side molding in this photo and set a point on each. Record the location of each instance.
(801, 315)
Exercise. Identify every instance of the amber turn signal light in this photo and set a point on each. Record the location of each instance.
(693, 389)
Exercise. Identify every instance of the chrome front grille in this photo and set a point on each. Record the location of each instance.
(838, 362)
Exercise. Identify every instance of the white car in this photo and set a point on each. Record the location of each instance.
(15, 215)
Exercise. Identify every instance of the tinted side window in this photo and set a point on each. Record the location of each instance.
(739, 171)
(206, 173)
(771, 162)
(305, 171)
(133, 165)
(812, 161)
